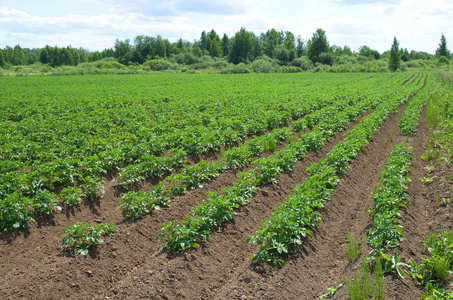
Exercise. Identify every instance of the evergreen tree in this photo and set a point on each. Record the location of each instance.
(2, 59)
(300, 46)
(394, 61)
(225, 44)
(442, 50)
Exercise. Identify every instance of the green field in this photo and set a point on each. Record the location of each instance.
(130, 145)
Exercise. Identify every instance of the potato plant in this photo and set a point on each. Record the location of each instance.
(81, 236)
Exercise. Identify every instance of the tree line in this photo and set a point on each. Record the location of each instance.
(244, 47)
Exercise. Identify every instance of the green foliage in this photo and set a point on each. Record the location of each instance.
(45, 202)
(93, 187)
(360, 287)
(388, 197)
(15, 211)
(395, 60)
(437, 268)
(158, 64)
(214, 211)
(442, 51)
(302, 62)
(81, 236)
(318, 44)
(243, 47)
(71, 195)
(2, 60)
(68, 143)
(113, 65)
(392, 264)
(379, 287)
(352, 247)
(442, 61)
(291, 221)
(331, 292)
(408, 122)
(135, 205)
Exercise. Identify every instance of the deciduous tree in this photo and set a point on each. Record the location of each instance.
(318, 45)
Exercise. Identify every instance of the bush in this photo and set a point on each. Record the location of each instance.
(290, 69)
(159, 64)
(240, 68)
(184, 59)
(263, 65)
(209, 62)
(303, 62)
(113, 65)
(326, 58)
(442, 61)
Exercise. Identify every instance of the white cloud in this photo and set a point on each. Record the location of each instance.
(5, 12)
(418, 24)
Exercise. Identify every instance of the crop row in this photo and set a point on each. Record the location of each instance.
(293, 220)
(58, 138)
(136, 204)
(219, 207)
(408, 122)
(388, 197)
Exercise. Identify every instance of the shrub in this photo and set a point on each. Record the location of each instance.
(303, 62)
(113, 65)
(443, 61)
(263, 65)
(290, 69)
(159, 64)
(240, 68)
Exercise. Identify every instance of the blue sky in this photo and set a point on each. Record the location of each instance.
(96, 24)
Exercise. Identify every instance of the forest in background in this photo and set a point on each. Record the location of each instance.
(245, 52)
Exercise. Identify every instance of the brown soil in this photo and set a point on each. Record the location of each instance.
(130, 265)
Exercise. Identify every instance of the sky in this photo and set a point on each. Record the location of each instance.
(96, 24)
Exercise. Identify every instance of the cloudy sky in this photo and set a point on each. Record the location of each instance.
(96, 24)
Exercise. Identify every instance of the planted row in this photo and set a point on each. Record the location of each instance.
(295, 218)
(217, 209)
(389, 196)
(135, 204)
(408, 122)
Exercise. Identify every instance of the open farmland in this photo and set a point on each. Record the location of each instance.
(233, 174)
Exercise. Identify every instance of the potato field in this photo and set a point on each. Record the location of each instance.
(248, 186)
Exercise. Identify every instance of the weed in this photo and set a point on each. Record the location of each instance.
(352, 247)
(360, 287)
(379, 286)
(430, 240)
(444, 202)
(331, 291)
(427, 180)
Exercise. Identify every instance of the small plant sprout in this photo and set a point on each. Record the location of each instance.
(429, 169)
(427, 180)
(331, 291)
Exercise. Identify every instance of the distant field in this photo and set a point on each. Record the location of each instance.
(287, 162)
